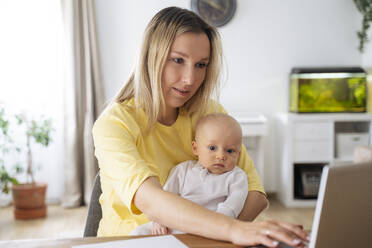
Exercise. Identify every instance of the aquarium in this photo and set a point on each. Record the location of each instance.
(328, 90)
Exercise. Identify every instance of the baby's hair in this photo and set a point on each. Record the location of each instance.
(217, 117)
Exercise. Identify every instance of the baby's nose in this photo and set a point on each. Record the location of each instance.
(221, 156)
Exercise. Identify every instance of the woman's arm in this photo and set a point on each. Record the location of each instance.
(177, 213)
(255, 203)
(173, 211)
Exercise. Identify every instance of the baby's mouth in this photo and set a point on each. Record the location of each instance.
(219, 165)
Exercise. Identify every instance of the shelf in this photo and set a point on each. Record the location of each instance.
(313, 139)
(329, 116)
(252, 124)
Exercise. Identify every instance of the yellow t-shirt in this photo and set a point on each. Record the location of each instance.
(127, 156)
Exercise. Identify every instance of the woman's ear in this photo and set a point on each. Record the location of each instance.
(194, 147)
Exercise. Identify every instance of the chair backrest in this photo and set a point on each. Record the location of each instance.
(94, 211)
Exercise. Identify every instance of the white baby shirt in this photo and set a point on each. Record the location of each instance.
(224, 193)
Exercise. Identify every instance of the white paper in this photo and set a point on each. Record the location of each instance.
(157, 241)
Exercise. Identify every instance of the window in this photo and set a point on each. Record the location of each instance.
(31, 75)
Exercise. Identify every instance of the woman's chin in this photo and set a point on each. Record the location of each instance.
(177, 104)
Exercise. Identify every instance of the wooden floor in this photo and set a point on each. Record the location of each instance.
(63, 223)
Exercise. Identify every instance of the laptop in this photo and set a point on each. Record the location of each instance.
(343, 213)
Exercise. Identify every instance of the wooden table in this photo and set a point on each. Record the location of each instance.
(188, 239)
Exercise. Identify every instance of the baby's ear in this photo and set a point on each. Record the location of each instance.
(194, 147)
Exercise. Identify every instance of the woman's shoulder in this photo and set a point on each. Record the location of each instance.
(122, 114)
(120, 108)
(118, 111)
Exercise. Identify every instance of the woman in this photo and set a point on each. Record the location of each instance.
(149, 129)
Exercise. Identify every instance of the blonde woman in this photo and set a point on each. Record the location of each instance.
(148, 130)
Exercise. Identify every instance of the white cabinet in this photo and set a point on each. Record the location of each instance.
(305, 151)
(312, 131)
(311, 141)
(345, 142)
(254, 129)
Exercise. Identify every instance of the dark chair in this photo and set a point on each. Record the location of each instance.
(95, 211)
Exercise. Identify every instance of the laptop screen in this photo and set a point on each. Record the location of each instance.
(343, 215)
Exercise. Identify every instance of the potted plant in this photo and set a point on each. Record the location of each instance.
(28, 197)
(365, 8)
(6, 146)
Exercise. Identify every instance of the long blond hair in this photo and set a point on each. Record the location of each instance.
(144, 83)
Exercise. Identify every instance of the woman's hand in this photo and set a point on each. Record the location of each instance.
(159, 229)
(268, 233)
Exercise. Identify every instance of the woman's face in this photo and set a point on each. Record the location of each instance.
(185, 68)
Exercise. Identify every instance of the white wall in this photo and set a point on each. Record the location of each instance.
(264, 40)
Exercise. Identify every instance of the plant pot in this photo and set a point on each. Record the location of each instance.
(29, 200)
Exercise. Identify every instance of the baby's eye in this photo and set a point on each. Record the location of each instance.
(178, 60)
(230, 150)
(212, 148)
(201, 65)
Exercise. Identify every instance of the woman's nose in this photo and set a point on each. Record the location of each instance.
(189, 75)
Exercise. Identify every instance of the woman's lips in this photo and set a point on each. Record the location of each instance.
(181, 92)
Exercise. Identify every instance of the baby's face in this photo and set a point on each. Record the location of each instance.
(217, 147)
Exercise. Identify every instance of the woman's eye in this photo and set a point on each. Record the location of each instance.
(212, 148)
(201, 65)
(178, 60)
(230, 150)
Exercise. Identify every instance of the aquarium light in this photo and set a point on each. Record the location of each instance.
(327, 75)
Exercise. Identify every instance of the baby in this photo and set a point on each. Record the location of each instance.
(213, 181)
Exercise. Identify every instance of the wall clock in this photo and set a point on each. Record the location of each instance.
(214, 12)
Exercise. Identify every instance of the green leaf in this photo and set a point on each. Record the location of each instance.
(365, 8)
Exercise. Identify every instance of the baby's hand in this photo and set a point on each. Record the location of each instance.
(158, 229)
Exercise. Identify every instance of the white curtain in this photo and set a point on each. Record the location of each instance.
(83, 100)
